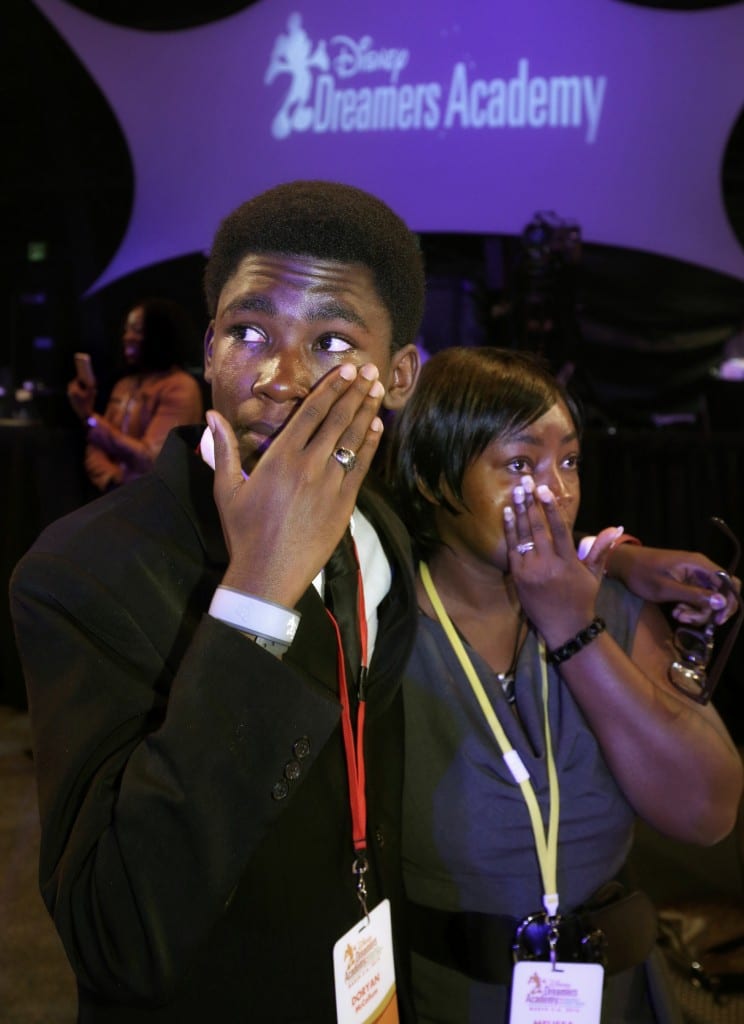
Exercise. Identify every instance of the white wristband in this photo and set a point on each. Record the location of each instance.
(254, 615)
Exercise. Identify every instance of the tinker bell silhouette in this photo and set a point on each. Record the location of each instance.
(293, 55)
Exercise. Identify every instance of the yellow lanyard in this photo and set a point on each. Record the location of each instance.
(546, 842)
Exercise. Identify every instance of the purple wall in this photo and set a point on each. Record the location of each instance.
(464, 120)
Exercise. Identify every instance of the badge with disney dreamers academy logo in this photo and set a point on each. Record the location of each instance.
(364, 971)
(559, 993)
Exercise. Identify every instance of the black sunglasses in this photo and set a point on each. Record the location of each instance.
(694, 671)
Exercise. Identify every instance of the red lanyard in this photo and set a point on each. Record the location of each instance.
(354, 746)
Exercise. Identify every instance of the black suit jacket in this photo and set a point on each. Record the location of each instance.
(182, 888)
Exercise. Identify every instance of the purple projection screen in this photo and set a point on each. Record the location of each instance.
(465, 117)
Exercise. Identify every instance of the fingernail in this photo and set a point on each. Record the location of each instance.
(377, 390)
(717, 601)
(377, 425)
(369, 371)
(585, 546)
(518, 495)
(347, 371)
(545, 494)
(211, 422)
(529, 484)
(508, 513)
(619, 531)
(682, 616)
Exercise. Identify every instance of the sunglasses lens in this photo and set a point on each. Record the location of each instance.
(692, 647)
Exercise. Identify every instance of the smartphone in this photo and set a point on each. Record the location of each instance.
(84, 369)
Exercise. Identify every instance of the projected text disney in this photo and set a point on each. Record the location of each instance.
(466, 101)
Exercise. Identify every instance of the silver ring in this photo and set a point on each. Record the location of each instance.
(346, 458)
(525, 546)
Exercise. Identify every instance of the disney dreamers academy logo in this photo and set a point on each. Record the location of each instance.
(316, 101)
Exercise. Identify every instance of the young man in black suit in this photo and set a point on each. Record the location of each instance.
(197, 844)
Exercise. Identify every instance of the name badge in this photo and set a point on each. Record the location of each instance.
(569, 994)
(364, 971)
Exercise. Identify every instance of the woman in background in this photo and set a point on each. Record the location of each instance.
(155, 395)
(539, 717)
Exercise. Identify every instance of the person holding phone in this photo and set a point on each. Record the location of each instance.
(154, 395)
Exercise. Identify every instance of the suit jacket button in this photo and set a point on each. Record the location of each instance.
(279, 790)
(301, 748)
(292, 770)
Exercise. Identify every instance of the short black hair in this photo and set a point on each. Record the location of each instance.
(170, 334)
(464, 399)
(326, 220)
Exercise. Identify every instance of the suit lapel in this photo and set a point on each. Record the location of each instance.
(314, 648)
(191, 481)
